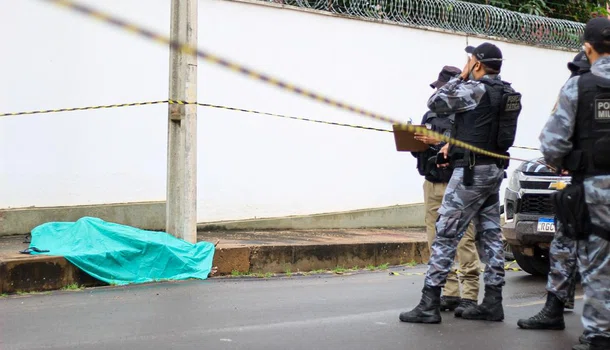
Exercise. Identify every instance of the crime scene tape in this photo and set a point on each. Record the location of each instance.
(81, 108)
(73, 109)
(187, 49)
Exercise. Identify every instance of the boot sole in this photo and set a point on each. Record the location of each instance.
(546, 327)
(483, 318)
(494, 319)
(428, 320)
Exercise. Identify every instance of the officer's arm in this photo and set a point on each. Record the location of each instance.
(423, 121)
(555, 137)
(456, 96)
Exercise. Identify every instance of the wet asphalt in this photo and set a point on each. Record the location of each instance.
(356, 312)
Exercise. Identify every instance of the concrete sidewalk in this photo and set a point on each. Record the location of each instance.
(238, 252)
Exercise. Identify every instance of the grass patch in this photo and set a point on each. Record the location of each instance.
(339, 269)
(21, 293)
(236, 273)
(73, 286)
(288, 272)
(411, 264)
(376, 268)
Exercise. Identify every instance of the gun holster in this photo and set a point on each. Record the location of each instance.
(572, 212)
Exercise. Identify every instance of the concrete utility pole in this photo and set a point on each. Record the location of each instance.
(182, 129)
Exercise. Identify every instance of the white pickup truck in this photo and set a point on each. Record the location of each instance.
(529, 216)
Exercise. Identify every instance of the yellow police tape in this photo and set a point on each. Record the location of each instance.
(81, 108)
(72, 109)
(187, 49)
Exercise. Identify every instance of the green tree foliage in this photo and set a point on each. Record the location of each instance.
(573, 10)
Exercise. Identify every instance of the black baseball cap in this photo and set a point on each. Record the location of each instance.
(597, 30)
(445, 75)
(579, 62)
(488, 54)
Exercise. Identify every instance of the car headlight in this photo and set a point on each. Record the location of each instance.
(513, 181)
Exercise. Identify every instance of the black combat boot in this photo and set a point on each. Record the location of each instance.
(582, 339)
(596, 343)
(464, 304)
(490, 309)
(449, 303)
(428, 310)
(550, 317)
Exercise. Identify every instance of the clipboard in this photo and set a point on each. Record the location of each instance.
(405, 140)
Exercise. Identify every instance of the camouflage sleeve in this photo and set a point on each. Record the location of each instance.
(555, 137)
(457, 96)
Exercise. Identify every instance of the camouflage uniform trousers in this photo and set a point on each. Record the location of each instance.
(561, 280)
(594, 262)
(467, 254)
(462, 204)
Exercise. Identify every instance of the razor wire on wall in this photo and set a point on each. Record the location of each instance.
(457, 16)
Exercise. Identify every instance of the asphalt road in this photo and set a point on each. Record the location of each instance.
(354, 312)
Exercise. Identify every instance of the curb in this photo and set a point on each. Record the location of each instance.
(39, 273)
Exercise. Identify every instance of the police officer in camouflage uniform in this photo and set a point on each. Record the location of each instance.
(435, 184)
(561, 282)
(473, 191)
(577, 138)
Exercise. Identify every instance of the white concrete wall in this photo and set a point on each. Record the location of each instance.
(249, 165)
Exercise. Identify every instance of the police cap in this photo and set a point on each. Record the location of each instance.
(579, 62)
(445, 75)
(488, 54)
(597, 30)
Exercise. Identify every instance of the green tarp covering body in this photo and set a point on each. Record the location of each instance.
(119, 254)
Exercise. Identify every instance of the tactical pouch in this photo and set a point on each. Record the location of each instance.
(601, 157)
(441, 159)
(504, 164)
(468, 176)
(440, 174)
(572, 212)
(469, 157)
(598, 231)
(573, 161)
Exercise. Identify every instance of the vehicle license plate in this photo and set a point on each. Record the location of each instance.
(546, 225)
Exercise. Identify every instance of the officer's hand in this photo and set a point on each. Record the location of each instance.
(466, 70)
(426, 139)
(445, 154)
(565, 172)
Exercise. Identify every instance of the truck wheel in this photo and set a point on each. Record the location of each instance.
(537, 265)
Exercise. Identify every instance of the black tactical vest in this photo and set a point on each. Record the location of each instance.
(439, 124)
(426, 160)
(591, 151)
(479, 127)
